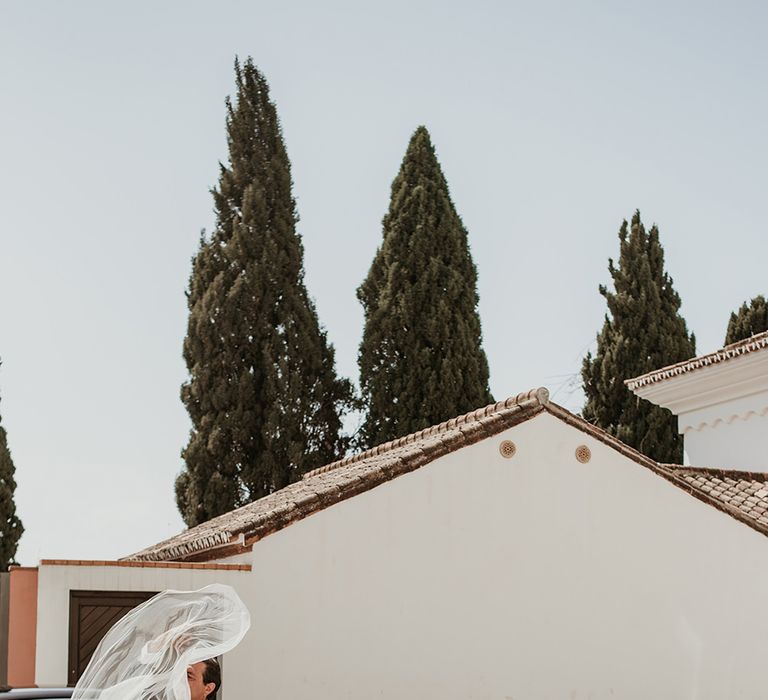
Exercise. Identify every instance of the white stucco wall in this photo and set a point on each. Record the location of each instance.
(55, 583)
(483, 577)
(533, 577)
(730, 434)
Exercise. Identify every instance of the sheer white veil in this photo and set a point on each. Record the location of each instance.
(146, 654)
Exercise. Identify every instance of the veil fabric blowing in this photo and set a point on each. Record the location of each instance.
(146, 654)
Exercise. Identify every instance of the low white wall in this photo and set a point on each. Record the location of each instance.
(531, 577)
(55, 583)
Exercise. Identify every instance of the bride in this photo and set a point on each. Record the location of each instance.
(166, 648)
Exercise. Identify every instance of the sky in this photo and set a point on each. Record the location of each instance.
(553, 122)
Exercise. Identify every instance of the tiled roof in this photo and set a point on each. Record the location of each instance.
(734, 493)
(744, 495)
(147, 564)
(743, 347)
(238, 529)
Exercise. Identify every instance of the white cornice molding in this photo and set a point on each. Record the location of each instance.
(708, 387)
(695, 422)
(755, 343)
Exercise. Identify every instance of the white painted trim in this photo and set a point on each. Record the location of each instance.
(711, 388)
(728, 413)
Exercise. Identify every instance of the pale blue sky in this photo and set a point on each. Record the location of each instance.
(552, 120)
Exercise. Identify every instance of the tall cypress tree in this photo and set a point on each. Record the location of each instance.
(263, 394)
(643, 331)
(421, 358)
(10, 524)
(750, 319)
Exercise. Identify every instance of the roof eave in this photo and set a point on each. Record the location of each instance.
(407, 454)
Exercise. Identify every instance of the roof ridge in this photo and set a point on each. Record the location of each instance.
(758, 341)
(676, 473)
(602, 435)
(718, 472)
(237, 530)
(533, 397)
(255, 520)
(745, 341)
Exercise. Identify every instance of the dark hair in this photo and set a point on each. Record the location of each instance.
(212, 674)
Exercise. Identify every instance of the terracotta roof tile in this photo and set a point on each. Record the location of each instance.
(743, 347)
(340, 480)
(742, 495)
(716, 487)
(146, 564)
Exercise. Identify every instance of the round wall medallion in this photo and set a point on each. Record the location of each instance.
(583, 454)
(507, 448)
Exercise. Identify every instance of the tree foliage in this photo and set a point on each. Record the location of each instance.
(421, 358)
(643, 331)
(751, 318)
(11, 528)
(265, 402)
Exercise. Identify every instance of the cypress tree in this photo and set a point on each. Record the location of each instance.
(643, 331)
(421, 358)
(750, 319)
(263, 395)
(10, 524)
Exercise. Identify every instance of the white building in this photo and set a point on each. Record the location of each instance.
(721, 403)
(514, 552)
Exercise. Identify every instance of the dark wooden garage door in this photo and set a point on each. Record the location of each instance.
(91, 614)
